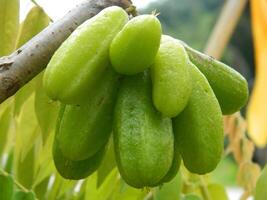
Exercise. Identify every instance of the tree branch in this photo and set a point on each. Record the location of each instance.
(26, 62)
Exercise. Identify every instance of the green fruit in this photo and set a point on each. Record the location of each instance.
(174, 167)
(79, 63)
(199, 128)
(230, 87)
(21, 195)
(6, 186)
(143, 138)
(171, 79)
(75, 170)
(134, 48)
(261, 186)
(84, 129)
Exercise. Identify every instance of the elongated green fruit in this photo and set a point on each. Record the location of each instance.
(199, 128)
(261, 191)
(136, 45)
(74, 170)
(171, 79)
(143, 139)
(6, 187)
(230, 87)
(79, 62)
(84, 129)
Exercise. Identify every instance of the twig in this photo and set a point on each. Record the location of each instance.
(26, 62)
(224, 27)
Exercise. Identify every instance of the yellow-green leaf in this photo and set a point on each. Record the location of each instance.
(217, 191)
(36, 20)
(171, 190)
(5, 118)
(6, 186)
(107, 165)
(9, 25)
(25, 169)
(261, 186)
(46, 110)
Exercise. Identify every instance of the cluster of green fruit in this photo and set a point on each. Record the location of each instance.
(161, 99)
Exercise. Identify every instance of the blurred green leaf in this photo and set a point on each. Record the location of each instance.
(192, 197)
(6, 186)
(128, 193)
(217, 191)
(9, 25)
(36, 20)
(27, 129)
(225, 177)
(107, 165)
(22, 195)
(261, 186)
(24, 93)
(9, 163)
(45, 166)
(25, 169)
(170, 190)
(5, 118)
(46, 110)
(41, 189)
(105, 190)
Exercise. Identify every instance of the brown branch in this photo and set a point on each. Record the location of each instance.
(26, 62)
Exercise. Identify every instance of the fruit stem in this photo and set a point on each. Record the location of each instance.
(203, 188)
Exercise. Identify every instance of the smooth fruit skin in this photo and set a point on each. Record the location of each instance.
(171, 79)
(79, 62)
(261, 186)
(199, 128)
(75, 170)
(84, 129)
(143, 138)
(134, 48)
(230, 87)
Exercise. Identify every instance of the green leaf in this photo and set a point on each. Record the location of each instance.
(41, 189)
(9, 163)
(27, 129)
(6, 186)
(36, 20)
(170, 190)
(192, 197)
(128, 193)
(9, 25)
(44, 166)
(217, 191)
(107, 165)
(46, 111)
(25, 169)
(5, 119)
(261, 186)
(105, 190)
(22, 195)
(24, 93)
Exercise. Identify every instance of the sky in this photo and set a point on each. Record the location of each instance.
(57, 8)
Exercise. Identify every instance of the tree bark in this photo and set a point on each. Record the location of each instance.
(30, 59)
